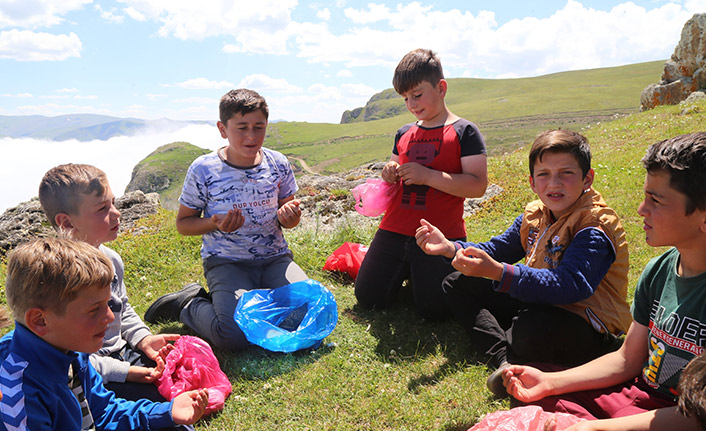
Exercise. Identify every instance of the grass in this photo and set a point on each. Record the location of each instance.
(387, 370)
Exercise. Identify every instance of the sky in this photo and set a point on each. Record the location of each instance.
(311, 60)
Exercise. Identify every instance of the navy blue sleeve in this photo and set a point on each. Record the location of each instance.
(506, 247)
(586, 261)
(469, 137)
(402, 130)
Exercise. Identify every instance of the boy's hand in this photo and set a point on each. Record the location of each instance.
(289, 213)
(145, 374)
(525, 383)
(230, 221)
(414, 173)
(157, 345)
(389, 172)
(475, 262)
(188, 407)
(432, 241)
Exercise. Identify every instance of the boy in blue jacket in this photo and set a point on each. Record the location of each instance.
(59, 293)
(567, 303)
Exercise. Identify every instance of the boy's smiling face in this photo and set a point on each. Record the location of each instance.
(245, 134)
(82, 326)
(559, 181)
(97, 220)
(426, 102)
(663, 211)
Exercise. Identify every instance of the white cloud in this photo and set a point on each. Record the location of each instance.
(202, 84)
(18, 95)
(265, 84)
(134, 14)
(67, 90)
(324, 14)
(375, 13)
(110, 15)
(344, 73)
(24, 45)
(34, 14)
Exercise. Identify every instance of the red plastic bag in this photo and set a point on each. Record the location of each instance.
(192, 365)
(346, 258)
(525, 418)
(374, 196)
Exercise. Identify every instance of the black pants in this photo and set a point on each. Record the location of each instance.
(502, 328)
(393, 258)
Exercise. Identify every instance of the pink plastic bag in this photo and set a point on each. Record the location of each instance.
(192, 365)
(525, 418)
(346, 258)
(374, 196)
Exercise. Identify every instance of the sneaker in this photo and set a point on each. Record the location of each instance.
(168, 307)
(495, 381)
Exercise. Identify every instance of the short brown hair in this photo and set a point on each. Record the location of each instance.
(417, 66)
(561, 141)
(51, 272)
(241, 101)
(692, 390)
(683, 157)
(63, 188)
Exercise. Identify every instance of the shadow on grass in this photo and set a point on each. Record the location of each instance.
(403, 336)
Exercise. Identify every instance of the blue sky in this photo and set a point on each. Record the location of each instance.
(311, 59)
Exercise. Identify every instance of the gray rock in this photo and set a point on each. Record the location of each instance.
(685, 72)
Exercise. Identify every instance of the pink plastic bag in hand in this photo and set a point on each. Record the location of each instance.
(374, 196)
(346, 258)
(525, 418)
(192, 365)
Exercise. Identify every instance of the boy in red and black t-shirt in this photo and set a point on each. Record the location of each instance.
(440, 160)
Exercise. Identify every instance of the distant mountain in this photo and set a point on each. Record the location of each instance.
(82, 127)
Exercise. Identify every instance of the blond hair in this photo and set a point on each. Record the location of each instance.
(63, 188)
(49, 273)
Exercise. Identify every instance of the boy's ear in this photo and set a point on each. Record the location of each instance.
(442, 87)
(35, 321)
(222, 128)
(63, 221)
(588, 179)
(531, 181)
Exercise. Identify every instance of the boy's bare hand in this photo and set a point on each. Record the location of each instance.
(525, 383)
(188, 407)
(414, 173)
(389, 172)
(289, 213)
(475, 262)
(432, 241)
(146, 374)
(157, 345)
(230, 221)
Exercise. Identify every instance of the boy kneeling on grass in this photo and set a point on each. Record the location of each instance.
(59, 294)
(567, 303)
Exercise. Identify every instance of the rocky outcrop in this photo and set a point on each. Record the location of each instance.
(685, 72)
(385, 104)
(27, 220)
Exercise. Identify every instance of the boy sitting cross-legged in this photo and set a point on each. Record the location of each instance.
(59, 293)
(77, 199)
(567, 303)
(634, 388)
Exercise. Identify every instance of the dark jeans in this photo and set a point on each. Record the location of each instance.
(502, 328)
(131, 390)
(393, 258)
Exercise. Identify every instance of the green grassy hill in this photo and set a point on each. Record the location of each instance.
(509, 113)
(387, 370)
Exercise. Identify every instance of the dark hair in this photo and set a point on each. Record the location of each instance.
(561, 141)
(63, 188)
(684, 159)
(417, 66)
(692, 390)
(241, 101)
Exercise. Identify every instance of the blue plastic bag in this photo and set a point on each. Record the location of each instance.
(289, 318)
